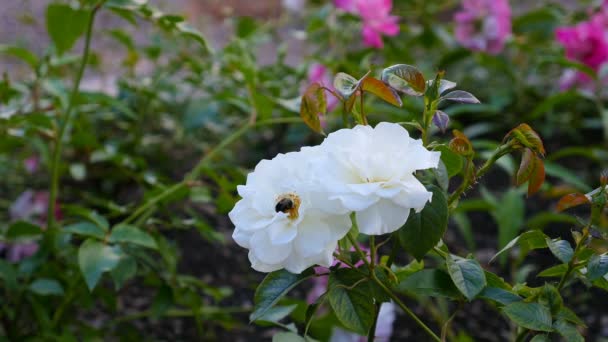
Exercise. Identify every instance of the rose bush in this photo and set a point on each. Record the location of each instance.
(310, 171)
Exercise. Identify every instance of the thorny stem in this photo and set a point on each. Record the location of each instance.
(56, 156)
(203, 163)
(466, 182)
(362, 254)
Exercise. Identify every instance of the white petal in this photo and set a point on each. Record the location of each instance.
(242, 237)
(413, 195)
(313, 235)
(268, 252)
(281, 231)
(382, 218)
(354, 201)
(259, 266)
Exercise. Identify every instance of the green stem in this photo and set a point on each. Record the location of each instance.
(498, 153)
(372, 331)
(362, 254)
(405, 308)
(203, 163)
(572, 264)
(56, 157)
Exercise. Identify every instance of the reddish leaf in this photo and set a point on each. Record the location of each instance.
(526, 167)
(314, 103)
(525, 136)
(461, 144)
(537, 178)
(571, 200)
(405, 78)
(381, 90)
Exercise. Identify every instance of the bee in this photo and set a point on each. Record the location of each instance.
(284, 205)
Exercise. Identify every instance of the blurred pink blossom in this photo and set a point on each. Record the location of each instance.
(320, 283)
(31, 164)
(483, 25)
(376, 18)
(318, 73)
(30, 206)
(587, 43)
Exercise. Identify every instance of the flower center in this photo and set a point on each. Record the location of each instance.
(288, 204)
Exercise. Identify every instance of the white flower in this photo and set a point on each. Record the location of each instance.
(371, 171)
(283, 216)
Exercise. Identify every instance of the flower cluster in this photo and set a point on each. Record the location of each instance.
(587, 43)
(483, 25)
(376, 17)
(297, 206)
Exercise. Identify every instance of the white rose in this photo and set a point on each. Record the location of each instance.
(283, 217)
(371, 171)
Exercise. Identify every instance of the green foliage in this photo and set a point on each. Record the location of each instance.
(423, 230)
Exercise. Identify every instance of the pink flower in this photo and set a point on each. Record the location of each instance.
(587, 43)
(30, 206)
(483, 25)
(318, 73)
(376, 17)
(31, 164)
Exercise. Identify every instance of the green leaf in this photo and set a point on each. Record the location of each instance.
(65, 25)
(21, 53)
(550, 297)
(86, 229)
(453, 162)
(352, 305)
(532, 239)
(568, 331)
(532, 316)
(541, 338)
(8, 274)
(22, 229)
(131, 234)
(274, 287)
(597, 267)
(429, 282)
(569, 316)
(467, 274)
(46, 287)
(126, 4)
(277, 313)
(554, 271)
(405, 78)
(290, 337)
(499, 295)
(509, 215)
(125, 270)
(561, 249)
(423, 230)
(95, 258)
